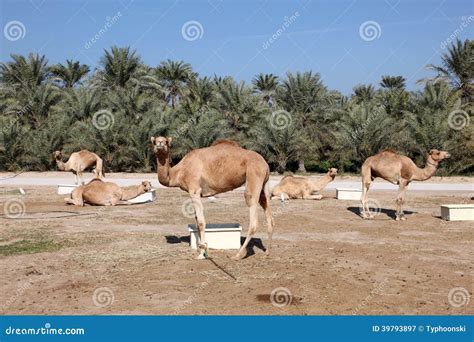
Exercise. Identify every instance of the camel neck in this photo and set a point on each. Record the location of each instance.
(163, 162)
(61, 165)
(427, 172)
(132, 192)
(322, 182)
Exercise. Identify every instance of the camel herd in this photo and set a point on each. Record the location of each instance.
(225, 166)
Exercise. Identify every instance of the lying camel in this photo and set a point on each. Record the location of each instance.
(302, 187)
(79, 162)
(396, 169)
(97, 192)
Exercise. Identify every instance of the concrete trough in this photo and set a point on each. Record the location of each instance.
(64, 189)
(218, 236)
(457, 212)
(149, 196)
(348, 194)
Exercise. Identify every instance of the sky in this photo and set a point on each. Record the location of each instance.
(346, 42)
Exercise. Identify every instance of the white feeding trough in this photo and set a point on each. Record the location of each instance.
(64, 189)
(457, 212)
(348, 194)
(218, 236)
(149, 196)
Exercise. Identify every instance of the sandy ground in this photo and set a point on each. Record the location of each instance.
(137, 260)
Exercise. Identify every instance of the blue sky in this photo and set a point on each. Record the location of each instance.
(323, 36)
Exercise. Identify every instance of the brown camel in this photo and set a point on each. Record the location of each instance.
(396, 169)
(98, 192)
(302, 187)
(222, 167)
(79, 162)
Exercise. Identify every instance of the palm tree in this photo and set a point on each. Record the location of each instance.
(305, 97)
(174, 76)
(278, 146)
(23, 72)
(363, 131)
(201, 91)
(457, 68)
(393, 82)
(363, 93)
(120, 65)
(266, 85)
(70, 74)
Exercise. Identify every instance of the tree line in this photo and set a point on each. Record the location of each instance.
(295, 122)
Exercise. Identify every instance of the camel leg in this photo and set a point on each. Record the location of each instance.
(307, 196)
(366, 181)
(265, 204)
(79, 174)
(76, 180)
(252, 196)
(402, 188)
(200, 224)
(282, 197)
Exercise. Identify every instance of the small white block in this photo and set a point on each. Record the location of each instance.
(348, 194)
(149, 196)
(218, 236)
(457, 212)
(64, 189)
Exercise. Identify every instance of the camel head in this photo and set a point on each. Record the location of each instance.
(161, 144)
(146, 186)
(332, 172)
(57, 155)
(437, 155)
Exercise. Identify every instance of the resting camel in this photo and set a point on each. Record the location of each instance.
(97, 192)
(396, 169)
(79, 162)
(222, 167)
(302, 187)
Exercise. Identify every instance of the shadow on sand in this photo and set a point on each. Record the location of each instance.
(389, 212)
(253, 243)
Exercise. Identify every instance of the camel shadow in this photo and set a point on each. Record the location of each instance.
(253, 243)
(172, 239)
(389, 212)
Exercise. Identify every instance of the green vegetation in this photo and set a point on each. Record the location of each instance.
(295, 122)
(29, 246)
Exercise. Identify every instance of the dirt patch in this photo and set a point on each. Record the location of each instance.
(137, 259)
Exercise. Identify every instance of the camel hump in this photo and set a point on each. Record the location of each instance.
(224, 141)
(389, 150)
(287, 176)
(95, 180)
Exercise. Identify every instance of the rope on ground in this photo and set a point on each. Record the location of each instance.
(16, 174)
(21, 217)
(221, 268)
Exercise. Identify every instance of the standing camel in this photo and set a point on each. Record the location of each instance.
(79, 162)
(222, 167)
(97, 192)
(396, 169)
(302, 187)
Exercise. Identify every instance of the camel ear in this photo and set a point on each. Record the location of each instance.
(152, 139)
(169, 139)
(434, 151)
